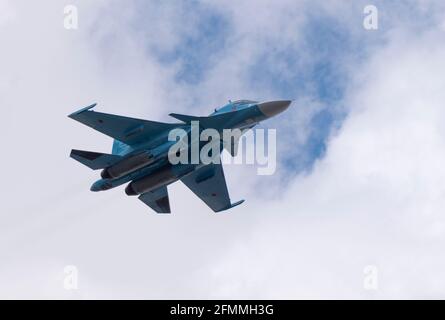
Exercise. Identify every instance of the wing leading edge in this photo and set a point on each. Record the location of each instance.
(130, 131)
(209, 184)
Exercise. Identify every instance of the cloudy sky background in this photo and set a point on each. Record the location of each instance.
(360, 174)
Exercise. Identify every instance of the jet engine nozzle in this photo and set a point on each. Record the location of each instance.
(129, 191)
(105, 174)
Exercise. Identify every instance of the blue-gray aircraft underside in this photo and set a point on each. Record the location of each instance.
(140, 153)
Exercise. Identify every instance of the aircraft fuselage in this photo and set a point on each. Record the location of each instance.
(148, 167)
(142, 151)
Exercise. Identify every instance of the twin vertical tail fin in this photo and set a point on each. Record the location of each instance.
(120, 148)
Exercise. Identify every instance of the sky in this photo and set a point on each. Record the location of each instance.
(360, 152)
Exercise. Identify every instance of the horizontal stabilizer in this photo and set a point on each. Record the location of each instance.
(157, 199)
(94, 160)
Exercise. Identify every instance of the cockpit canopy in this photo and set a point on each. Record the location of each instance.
(234, 105)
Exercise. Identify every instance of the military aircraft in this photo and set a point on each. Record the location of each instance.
(140, 152)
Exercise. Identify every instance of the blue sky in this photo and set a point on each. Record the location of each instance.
(311, 57)
(316, 68)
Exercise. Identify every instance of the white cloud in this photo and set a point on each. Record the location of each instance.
(376, 199)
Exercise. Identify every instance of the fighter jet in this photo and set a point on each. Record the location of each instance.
(141, 149)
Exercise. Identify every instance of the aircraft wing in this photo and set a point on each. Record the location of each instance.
(127, 130)
(209, 184)
(157, 199)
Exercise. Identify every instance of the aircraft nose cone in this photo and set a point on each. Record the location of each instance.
(272, 108)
